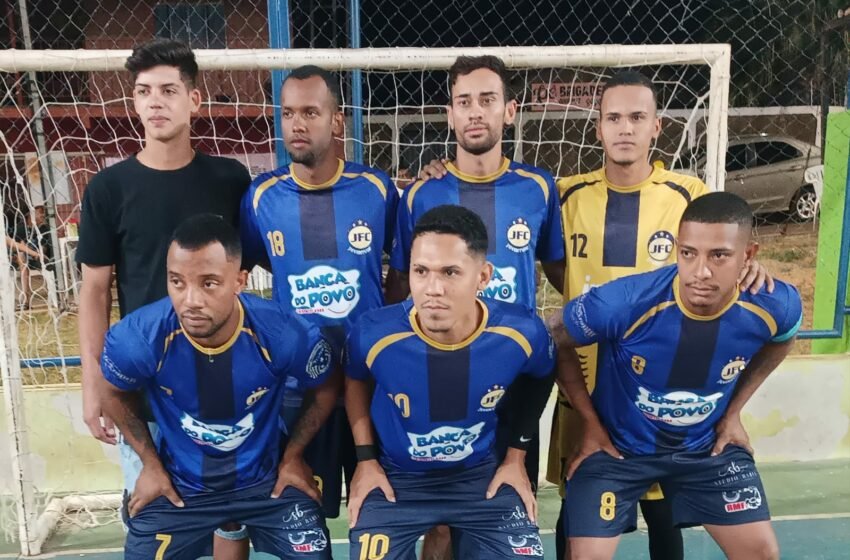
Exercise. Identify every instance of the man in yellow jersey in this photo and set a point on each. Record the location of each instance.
(620, 220)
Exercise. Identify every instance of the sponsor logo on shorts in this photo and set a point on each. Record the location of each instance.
(311, 540)
(325, 291)
(526, 545)
(218, 436)
(742, 500)
(320, 359)
(734, 473)
(660, 246)
(444, 444)
(254, 397)
(491, 398)
(679, 408)
(731, 370)
(360, 238)
(516, 515)
(295, 519)
(502, 285)
(519, 236)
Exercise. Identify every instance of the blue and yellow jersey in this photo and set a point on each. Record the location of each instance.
(613, 231)
(217, 408)
(666, 375)
(519, 207)
(434, 405)
(323, 242)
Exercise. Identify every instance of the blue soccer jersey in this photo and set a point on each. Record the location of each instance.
(323, 242)
(217, 408)
(519, 207)
(666, 375)
(434, 405)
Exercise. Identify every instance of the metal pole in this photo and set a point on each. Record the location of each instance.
(48, 192)
(356, 82)
(278, 39)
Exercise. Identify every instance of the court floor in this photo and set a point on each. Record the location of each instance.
(810, 503)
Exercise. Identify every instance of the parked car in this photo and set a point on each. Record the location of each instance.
(772, 173)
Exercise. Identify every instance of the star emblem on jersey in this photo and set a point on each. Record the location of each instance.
(491, 398)
(660, 246)
(731, 370)
(256, 396)
(519, 236)
(360, 238)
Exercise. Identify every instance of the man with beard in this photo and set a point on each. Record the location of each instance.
(518, 204)
(320, 226)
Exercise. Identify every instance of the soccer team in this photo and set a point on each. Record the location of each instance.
(239, 417)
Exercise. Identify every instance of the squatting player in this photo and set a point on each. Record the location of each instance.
(620, 220)
(427, 376)
(320, 225)
(682, 350)
(213, 363)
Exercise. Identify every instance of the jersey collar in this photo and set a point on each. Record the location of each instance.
(224, 347)
(694, 316)
(657, 167)
(452, 168)
(330, 182)
(414, 324)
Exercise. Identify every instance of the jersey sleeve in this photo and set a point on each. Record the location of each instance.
(403, 234)
(550, 246)
(253, 245)
(127, 360)
(98, 244)
(600, 314)
(542, 360)
(354, 356)
(789, 322)
(302, 352)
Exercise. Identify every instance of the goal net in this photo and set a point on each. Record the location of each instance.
(68, 114)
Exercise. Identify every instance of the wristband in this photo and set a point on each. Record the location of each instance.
(366, 452)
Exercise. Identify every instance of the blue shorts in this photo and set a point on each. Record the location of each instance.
(491, 529)
(603, 493)
(290, 527)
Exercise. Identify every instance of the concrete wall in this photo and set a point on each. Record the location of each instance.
(802, 413)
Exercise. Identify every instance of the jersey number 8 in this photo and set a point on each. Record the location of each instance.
(608, 506)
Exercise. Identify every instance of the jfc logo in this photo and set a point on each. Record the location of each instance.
(519, 236)
(256, 396)
(660, 246)
(360, 238)
(492, 397)
(731, 370)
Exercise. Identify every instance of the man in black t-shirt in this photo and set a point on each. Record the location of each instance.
(129, 213)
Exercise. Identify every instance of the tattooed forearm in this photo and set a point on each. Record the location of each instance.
(125, 410)
(318, 405)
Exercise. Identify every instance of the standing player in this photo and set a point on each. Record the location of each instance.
(320, 225)
(682, 350)
(213, 363)
(426, 439)
(619, 220)
(131, 209)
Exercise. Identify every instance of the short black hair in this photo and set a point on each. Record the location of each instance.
(630, 78)
(308, 71)
(719, 208)
(455, 220)
(467, 64)
(164, 52)
(204, 229)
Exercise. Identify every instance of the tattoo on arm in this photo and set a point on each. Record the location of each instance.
(125, 410)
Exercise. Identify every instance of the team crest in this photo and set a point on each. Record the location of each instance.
(731, 370)
(320, 359)
(256, 396)
(360, 238)
(519, 236)
(492, 397)
(660, 246)
(638, 364)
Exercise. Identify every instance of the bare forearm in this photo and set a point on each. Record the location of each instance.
(318, 405)
(760, 367)
(358, 399)
(125, 410)
(93, 322)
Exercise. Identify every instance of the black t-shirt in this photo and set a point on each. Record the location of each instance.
(130, 212)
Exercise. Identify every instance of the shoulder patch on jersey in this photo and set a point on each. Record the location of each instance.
(319, 362)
